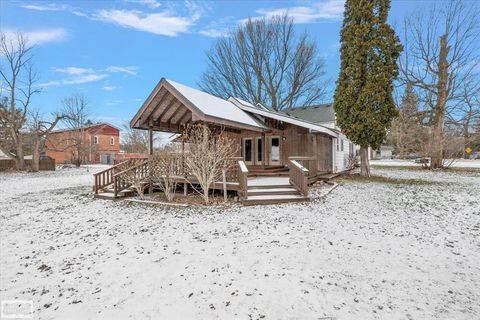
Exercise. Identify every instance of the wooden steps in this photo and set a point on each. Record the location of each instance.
(271, 171)
(109, 194)
(269, 193)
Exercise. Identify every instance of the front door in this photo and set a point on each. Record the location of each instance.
(258, 151)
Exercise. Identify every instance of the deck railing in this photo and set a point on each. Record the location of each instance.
(242, 179)
(309, 162)
(124, 179)
(121, 174)
(299, 176)
(105, 178)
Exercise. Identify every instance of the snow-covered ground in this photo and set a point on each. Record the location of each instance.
(461, 163)
(369, 250)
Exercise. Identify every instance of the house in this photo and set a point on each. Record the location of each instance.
(266, 138)
(97, 143)
(384, 152)
(324, 114)
(270, 143)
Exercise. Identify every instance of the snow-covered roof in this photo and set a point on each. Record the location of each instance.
(282, 117)
(213, 106)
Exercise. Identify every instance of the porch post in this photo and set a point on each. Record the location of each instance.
(150, 141)
(263, 150)
(185, 185)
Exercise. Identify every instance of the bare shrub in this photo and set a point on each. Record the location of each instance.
(165, 173)
(351, 161)
(135, 177)
(209, 152)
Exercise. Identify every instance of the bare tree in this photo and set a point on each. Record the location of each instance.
(39, 129)
(19, 80)
(76, 113)
(134, 140)
(208, 155)
(466, 113)
(263, 61)
(441, 55)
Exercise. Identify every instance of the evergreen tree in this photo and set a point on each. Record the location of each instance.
(363, 98)
(407, 131)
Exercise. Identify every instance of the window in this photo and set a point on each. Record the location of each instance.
(248, 150)
(338, 144)
(95, 140)
(259, 143)
(112, 141)
(342, 145)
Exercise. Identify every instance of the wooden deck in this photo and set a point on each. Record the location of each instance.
(254, 185)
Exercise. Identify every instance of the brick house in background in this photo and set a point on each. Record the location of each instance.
(100, 143)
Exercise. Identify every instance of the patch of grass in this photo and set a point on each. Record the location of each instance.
(382, 179)
(418, 168)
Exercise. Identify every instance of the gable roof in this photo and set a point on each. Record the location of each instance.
(203, 105)
(317, 113)
(233, 112)
(282, 117)
(211, 105)
(90, 128)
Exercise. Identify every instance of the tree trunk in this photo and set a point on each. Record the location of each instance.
(78, 161)
(205, 195)
(365, 165)
(36, 157)
(437, 147)
(20, 160)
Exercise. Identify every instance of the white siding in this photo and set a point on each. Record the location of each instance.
(341, 156)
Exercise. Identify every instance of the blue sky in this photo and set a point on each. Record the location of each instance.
(115, 52)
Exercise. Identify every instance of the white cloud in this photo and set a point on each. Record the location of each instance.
(319, 11)
(153, 4)
(162, 23)
(38, 37)
(109, 88)
(74, 70)
(45, 7)
(128, 70)
(213, 33)
(218, 28)
(78, 75)
(86, 78)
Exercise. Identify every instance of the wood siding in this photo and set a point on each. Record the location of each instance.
(294, 141)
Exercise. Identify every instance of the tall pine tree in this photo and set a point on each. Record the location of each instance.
(363, 98)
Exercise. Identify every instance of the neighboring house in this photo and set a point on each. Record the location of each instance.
(99, 144)
(266, 138)
(384, 152)
(324, 114)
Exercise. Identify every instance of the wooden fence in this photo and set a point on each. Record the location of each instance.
(44, 165)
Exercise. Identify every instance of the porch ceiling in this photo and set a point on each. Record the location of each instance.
(165, 112)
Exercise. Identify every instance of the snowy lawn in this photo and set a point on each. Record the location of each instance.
(369, 250)
(460, 163)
